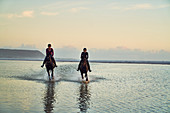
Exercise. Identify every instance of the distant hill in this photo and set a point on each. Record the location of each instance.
(20, 54)
(35, 55)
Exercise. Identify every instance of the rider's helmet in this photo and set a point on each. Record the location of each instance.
(49, 45)
(84, 49)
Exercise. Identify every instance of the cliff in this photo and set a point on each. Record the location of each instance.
(20, 54)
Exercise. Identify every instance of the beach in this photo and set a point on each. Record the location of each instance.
(125, 88)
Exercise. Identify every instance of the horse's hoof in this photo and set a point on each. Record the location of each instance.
(87, 82)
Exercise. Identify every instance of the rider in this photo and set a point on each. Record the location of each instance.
(84, 55)
(49, 52)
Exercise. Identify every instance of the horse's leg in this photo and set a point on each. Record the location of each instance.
(48, 74)
(82, 75)
(86, 76)
(52, 74)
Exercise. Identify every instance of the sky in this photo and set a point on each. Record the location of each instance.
(96, 24)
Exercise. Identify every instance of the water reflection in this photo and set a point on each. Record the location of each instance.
(49, 98)
(84, 98)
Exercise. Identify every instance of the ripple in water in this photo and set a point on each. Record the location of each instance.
(24, 87)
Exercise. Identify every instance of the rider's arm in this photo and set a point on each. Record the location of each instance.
(52, 52)
(46, 52)
(87, 55)
(82, 55)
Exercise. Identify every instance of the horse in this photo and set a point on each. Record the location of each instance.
(84, 69)
(50, 66)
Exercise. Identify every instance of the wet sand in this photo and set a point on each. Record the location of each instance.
(24, 87)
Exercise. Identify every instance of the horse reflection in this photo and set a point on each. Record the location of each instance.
(84, 98)
(49, 98)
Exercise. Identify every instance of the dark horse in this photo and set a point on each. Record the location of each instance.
(50, 66)
(84, 69)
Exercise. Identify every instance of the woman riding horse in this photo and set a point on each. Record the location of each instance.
(84, 64)
(49, 53)
(49, 60)
(84, 55)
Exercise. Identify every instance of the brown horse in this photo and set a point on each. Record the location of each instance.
(84, 69)
(50, 66)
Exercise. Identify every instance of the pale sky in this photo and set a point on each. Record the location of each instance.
(103, 24)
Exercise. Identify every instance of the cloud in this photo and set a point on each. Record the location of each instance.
(164, 6)
(116, 7)
(11, 15)
(139, 6)
(8, 15)
(64, 5)
(145, 6)
(78, 9)
(50, 13)
(28, 14)
(30, 47)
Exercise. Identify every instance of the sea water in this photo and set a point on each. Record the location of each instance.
(25, 88)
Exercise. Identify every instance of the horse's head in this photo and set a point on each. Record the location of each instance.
(84, 67)
(84, 61)
(49, 63)
(48, 58)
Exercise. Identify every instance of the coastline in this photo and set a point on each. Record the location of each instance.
(96, 61)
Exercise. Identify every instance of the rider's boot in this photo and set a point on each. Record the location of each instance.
(42, 65)
(88, 67)
(78, 69)
(55, 64)
(79, 66)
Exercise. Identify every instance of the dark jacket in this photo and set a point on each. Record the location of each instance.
(49, 53)
(84, 55)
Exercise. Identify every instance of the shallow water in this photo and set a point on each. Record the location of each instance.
(25, 88)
